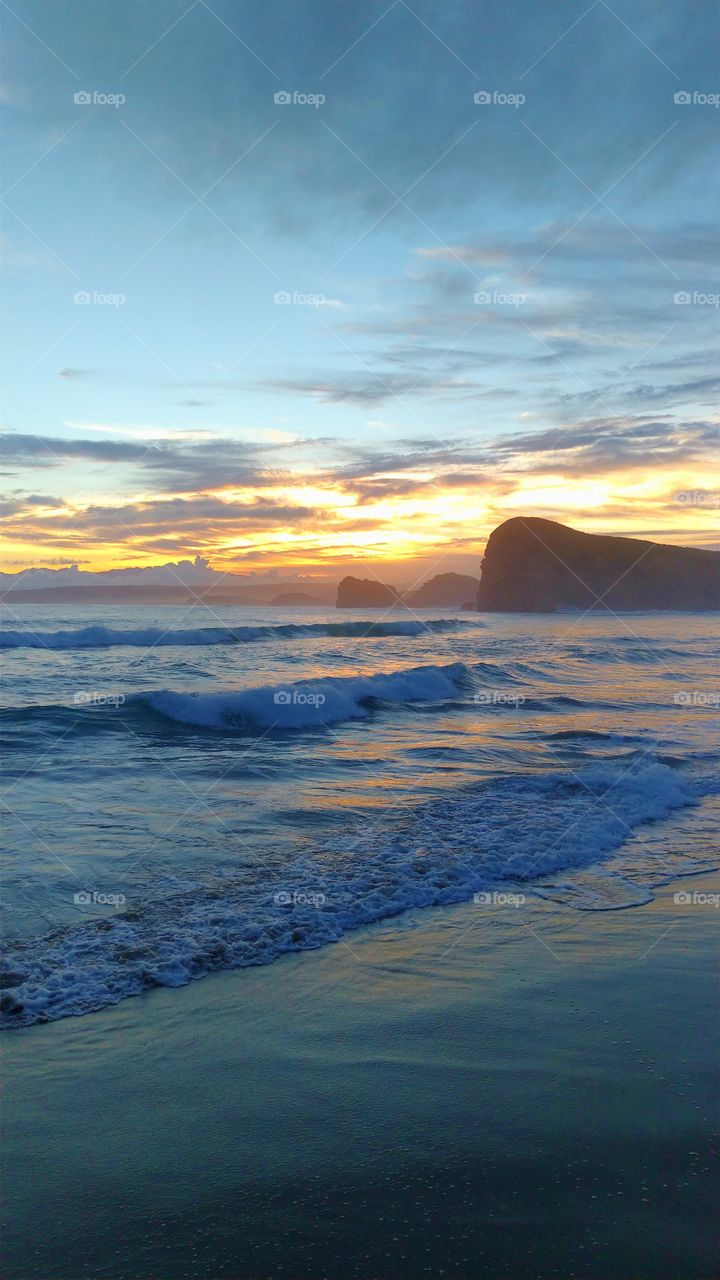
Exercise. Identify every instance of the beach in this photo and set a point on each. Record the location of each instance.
(359, 604)
(486, 1089)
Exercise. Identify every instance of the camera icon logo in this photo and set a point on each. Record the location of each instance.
(682, 97)
(282, 297)
(683, 898)
(482, 899)
(282, 898)
(82, 98)
(482, 298)
(482, 98)
(83, 898)
(82, 298)
(682, 298)
(282, 698)
(282, 97)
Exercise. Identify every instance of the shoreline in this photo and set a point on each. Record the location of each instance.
(476, 1093)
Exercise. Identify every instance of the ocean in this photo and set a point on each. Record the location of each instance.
(188, 790)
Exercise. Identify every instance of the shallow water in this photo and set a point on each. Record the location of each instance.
(458, 1091)
(191, 789)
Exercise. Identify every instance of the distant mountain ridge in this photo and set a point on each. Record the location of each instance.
(181, 582)
(533, 565)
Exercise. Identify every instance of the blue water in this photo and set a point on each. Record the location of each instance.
(189, 789)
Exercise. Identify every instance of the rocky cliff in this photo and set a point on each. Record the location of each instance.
(538, 566)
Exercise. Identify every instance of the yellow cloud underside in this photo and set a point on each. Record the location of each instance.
(390, 528)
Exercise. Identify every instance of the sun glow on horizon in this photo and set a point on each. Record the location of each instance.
(338, 520)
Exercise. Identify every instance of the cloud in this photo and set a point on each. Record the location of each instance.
(186, 465)
(603, 445)
(50, 451)
(149, 432)
(87, 375)
(690, 392)
(178, 524)
(204, 515)
(20, 503)
(591, 241)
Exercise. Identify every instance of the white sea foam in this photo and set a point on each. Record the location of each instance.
(313, 702)
(512, 831)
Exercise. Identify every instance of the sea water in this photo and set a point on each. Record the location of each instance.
(191, 789)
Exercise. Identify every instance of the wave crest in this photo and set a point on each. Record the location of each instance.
(156, 637)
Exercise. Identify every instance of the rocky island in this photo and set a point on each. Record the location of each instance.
(444, 591)
(365, 593)
(538, 566)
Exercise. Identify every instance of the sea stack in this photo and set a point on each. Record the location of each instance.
(539, 566)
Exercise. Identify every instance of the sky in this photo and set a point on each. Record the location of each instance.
(309, 286)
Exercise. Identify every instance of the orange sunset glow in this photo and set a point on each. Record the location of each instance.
(334, 524)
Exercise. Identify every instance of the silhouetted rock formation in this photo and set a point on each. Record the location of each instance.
(365, 593)
(538, 566)
(295, 598)
(445, 591)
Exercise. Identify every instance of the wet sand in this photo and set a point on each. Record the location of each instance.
(477, 1091)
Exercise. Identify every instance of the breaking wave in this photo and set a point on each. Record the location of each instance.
(154, 637)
